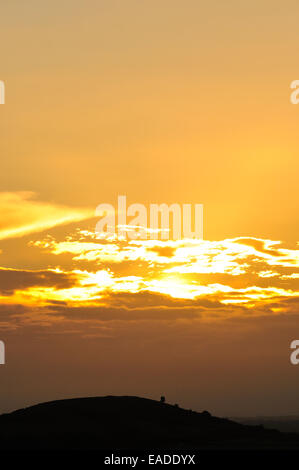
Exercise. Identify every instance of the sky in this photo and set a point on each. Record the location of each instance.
(164, 102)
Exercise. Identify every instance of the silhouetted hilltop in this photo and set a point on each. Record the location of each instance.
(129, 423)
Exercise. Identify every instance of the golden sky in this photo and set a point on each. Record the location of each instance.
(165, 102)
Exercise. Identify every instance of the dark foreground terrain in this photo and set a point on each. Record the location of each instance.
(129, 423)
(281, 423)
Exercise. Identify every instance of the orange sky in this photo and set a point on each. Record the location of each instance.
(164, 102)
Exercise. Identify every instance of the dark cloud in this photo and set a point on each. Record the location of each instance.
(12, 280)
(165, 251)
(123, 314)
(259, 245)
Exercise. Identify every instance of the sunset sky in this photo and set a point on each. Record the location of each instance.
(164, 102)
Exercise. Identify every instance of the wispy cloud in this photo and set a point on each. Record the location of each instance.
(21, 214)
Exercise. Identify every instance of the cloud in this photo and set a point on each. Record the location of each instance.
(21, 215)
(17, 279)
(153, 280)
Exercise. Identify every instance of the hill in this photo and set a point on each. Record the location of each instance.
(129, 423)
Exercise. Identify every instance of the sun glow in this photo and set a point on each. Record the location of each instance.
(235, 272)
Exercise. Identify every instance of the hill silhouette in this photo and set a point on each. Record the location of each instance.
(127, 422)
